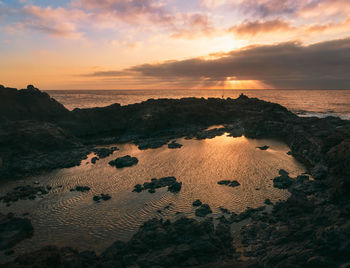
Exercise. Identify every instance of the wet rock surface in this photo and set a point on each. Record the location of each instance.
(197, 203)
(170, 182)
(13, 230)
(81, 189)
(26, 192)
(263, 148)
(174, 145)
(103, 153)
(229, 183)
(158, 243)
(203, 210)
(125, 161)
(104, 197)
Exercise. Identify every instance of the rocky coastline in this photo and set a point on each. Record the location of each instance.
(310, 229)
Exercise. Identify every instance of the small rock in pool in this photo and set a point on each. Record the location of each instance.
(175, 187)
(94, 160)
(81, 189)
(197, 203)
(125, 161)
(138, 188)
(289, 153)
(174, 145)
(224, 210)
(203, 210)
(229, 183)
(283, 173)
(268, 201)
(104, 197)
(96, 198)
(263, 148)
(283, 181)
(151, 191)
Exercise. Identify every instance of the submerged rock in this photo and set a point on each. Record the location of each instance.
(203, 210)
(13, 230)
(229, 183)
(283, 181)
(24, 193)
(158, 243)
(174, 145)
(170, 182)
(94, 160)
(104, 197)
(81, 189)
(125, 161)
(197, 203)
(263, 148)
(151, 143)
(105, 152)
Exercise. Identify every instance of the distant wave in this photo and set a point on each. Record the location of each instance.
(322, 115)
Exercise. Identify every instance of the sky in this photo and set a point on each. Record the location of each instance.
(175, 44)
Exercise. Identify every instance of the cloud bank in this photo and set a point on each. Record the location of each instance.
(323, 65)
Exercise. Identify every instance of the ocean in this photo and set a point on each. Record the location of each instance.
(320, 103)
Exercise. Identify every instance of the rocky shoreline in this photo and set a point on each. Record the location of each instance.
(310, 229)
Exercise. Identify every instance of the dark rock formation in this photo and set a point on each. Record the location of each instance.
(203, 210)
(125, 161)
(158, 243)
(263, 148)
(13, 230)
(311, 228)
(105, 152)
(81, 188)
(197, 203)
(229, 183)
(174, 145)
(170, 182)
(103, 197)
(24, 193)
(151, 143)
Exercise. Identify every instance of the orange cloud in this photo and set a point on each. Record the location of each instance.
(256, 27)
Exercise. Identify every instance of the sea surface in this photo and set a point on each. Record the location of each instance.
(320, 103)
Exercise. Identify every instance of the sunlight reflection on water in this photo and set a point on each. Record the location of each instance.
(73, 218)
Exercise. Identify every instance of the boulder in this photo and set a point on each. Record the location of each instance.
(203, 210)
(229, 183)
(125, 161)
(13, 230)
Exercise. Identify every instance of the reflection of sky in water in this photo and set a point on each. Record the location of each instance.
(72, 218)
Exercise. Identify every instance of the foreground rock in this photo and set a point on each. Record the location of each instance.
(125, 161)
(170, 182)
(13, 230)
(283, 181)
(310, 229)
(229, 183)
(103, 153)
(158, 243)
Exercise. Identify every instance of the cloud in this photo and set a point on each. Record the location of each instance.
(131, 11)
(194, 25)
(58, 22)
(253, 28)
(285, 65)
